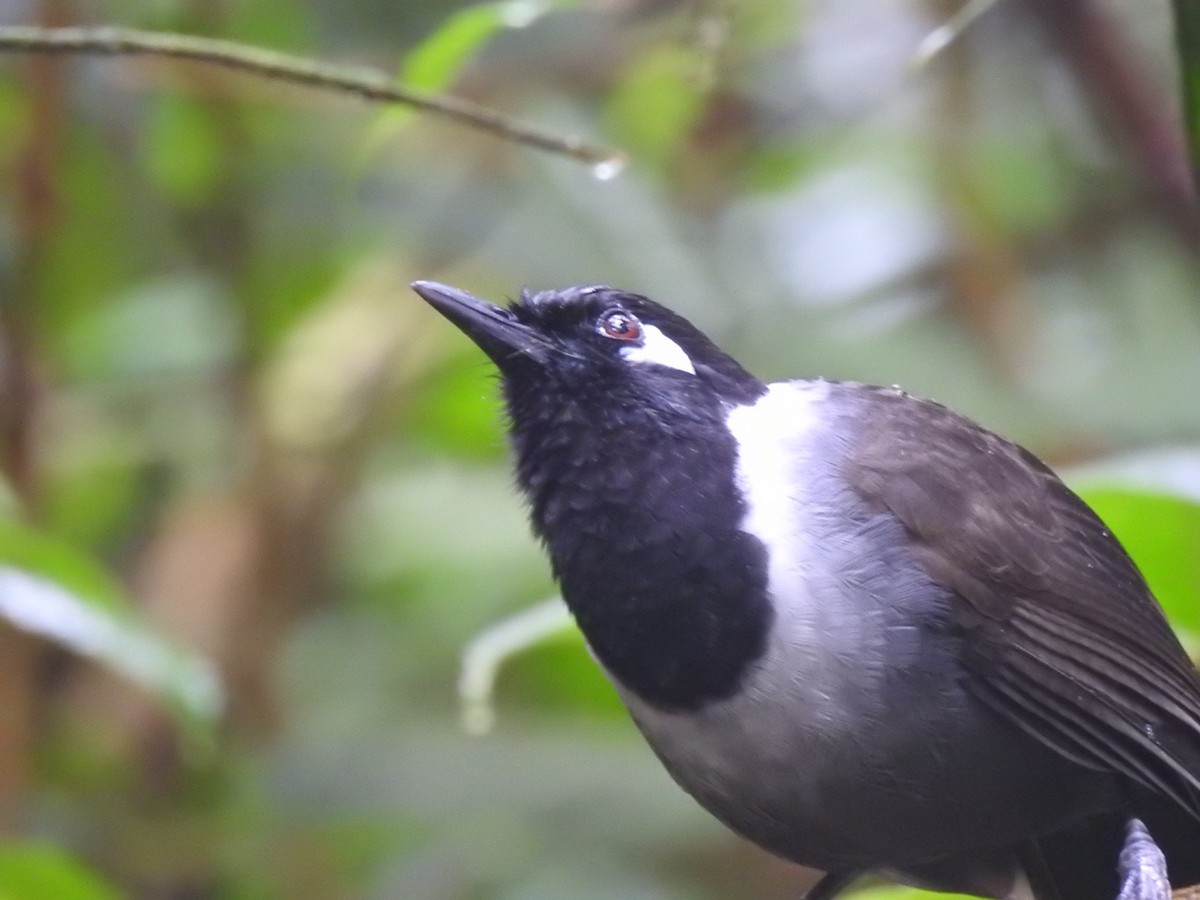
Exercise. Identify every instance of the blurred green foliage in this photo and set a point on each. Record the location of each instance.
(1160, 532)
(33, 871)
(229, 427)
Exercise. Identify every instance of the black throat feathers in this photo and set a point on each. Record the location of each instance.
(638, 508)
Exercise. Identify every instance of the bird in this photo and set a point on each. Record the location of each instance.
(862, 631)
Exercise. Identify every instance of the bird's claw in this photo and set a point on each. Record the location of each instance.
(1142, 866)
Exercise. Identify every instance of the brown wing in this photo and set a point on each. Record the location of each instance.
(1062, 635)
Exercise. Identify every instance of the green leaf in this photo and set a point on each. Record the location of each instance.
(558, 675)
(49, 589)
(656, 104)
(183, 149)
(1162, 534)
(38, 871)
(1151, 501)
(434, 63)
(1020, 190)
(24, 548)
(456, 413)
(278, 24)
(774, 168)
(891, 892)
(100, 242)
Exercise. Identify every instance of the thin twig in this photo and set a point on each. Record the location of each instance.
(362, 82)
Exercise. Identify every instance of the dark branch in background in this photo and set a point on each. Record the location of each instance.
(1137, 113)
(1187, 43)
(359, 81)
(37, 213)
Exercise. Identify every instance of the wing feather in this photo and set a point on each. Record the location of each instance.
(1061, 633)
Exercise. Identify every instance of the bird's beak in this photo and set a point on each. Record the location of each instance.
(493, 328)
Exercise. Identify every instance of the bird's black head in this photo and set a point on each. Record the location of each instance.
(593, 339)
(618, 412)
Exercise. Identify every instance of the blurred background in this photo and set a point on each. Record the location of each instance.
(255, 495)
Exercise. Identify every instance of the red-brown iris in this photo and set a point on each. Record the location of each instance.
(620, 325)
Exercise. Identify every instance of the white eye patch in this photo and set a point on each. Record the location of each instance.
(659, 349)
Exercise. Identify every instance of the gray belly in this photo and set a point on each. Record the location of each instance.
(920, 783)
(855, 744)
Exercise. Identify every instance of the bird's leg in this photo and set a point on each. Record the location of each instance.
(1142, 866)
(832, 884)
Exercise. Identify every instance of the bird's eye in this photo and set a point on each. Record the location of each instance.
(620, 325)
